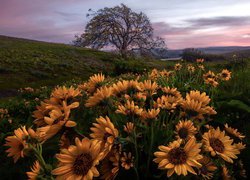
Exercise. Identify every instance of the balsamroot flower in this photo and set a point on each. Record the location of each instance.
(207, 168)
(129, 108)
(185, 130)
(110, 166)
(196, 105)
(127, 160)
(225, 75)
(99, 96)
(129, 128)
(179, 159)
(35, 170)
(172, 92)
(18, 143)
(177, 67)
(148, 87)
(120, 87)
(217, 143)
(79, 161)
(105, 132)
(150, 114)
(234, 132)
(95, 82)
(209, 74)
(64, 93)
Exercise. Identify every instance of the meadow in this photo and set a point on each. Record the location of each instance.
(140, 118)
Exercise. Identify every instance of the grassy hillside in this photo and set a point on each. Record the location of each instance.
(32, 63)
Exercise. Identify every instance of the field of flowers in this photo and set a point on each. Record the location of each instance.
(160, 124)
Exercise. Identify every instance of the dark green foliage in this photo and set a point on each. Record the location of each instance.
(129, 66)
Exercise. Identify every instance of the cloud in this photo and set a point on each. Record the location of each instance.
(220, 21)
(60, 20)
(202, 32)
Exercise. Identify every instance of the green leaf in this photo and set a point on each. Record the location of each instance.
(239, 105)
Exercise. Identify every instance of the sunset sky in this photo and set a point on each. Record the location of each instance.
(183, 23)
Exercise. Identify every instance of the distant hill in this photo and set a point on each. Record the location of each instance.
(239, 54)
(210, 50)
(32, 63)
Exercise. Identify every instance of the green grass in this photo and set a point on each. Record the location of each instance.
(31, 63)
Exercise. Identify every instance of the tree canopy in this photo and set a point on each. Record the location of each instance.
(121, 28)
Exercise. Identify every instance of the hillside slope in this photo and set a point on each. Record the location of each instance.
(26, 62)
(31, 63)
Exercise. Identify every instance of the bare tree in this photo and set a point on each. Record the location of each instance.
(118, 27)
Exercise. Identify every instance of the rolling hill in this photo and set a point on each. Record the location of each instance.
(211, 50)
(32, 63)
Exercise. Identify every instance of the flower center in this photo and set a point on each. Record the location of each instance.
(105, 137)
(20, 147)
(224, 75)
(183, 133)
(82, 164)
(217, 145)
(177, 156)
(192, 113)
(170, 94)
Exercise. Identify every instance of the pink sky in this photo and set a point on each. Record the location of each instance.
(182, 23)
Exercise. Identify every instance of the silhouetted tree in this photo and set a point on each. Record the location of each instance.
(121, 28)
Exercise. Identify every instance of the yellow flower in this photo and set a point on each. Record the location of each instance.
(35, 170)
(99, 97)
(40, 113)
(240, 146)
(64, 93)
(197, 96)
(167, 102)
(79, 161)
(209, 74)
(56, 120)
(95, 82)
(212, 82)
(120, 87)
(110, 166)
(61, 116)
(233, 132)
(201, 67)
(129, 128)
(185, 130)
(217, 143)
(165, 73)
(178, 159)
(150, 114)
(193, 109)
(154, 74)
(177, 66)
(129, 108)
(225, 174)
(225, 75)
(18, 142)
(190, 68)
(207, 169)
(148, 87)
(195, 105)
(105, 132)
(172, 92)
(133, 85)
(127, 160)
